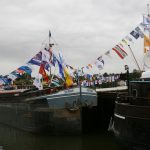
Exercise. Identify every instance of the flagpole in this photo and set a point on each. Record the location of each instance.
(134, 58)
(80, 87)
(50, 46)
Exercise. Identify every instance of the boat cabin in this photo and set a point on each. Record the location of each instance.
(139, 91)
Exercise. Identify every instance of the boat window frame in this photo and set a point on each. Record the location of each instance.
(136, 92)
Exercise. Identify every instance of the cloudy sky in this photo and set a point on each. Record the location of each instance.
(82, 29)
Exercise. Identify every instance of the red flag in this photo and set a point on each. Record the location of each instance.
(121, 53)
(43, 73)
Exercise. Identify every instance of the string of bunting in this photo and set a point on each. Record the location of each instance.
(119, 48)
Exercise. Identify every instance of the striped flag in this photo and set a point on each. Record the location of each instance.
(121, 53)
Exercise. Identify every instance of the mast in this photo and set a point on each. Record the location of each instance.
(50, 50)
(50, 47)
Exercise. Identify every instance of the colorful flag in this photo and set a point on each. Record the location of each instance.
(61, 71)
(70, 67)
(61, 59)
(68, 78)
(120, 44)
(134, 34)
(129, 39)
(15, 73)
(26, 69)
(45, 56)
(145, 27)
(121, 53)
(87, 67)
(90, 65)
(107, 53)
(53, 60)
(124, 41)
(139, 31)
(99, 64)
(146, 41)
(146, 44)
(146, 19)
(43, 73)
(36, 60)
(146, 49)
(142, 25)
(101, 60)
(12, 77)
(37, 82)
(2, 81)
(20, 71)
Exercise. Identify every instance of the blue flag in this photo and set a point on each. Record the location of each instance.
(135, 34)
(27, 69)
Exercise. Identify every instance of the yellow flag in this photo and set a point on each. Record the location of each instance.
(146, 41)
(69, 81)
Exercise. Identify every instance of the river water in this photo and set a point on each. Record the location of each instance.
(14, 139)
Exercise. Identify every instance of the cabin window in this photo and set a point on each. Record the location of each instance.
(134, 93)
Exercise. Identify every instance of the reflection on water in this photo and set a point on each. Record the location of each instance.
(13, 139)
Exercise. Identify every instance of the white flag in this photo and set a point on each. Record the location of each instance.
(37, 83)
(45, 56)
(12, 77)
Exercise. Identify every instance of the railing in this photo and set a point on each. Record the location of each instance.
(24, 86)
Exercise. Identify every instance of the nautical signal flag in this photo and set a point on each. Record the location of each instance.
(139, 31)
(135, 34)
(99, 64)
(68, 78)
(43, 73)
(120, 51)
(146, 19)
(146, 41)
(129, 39)
(89, 65)
(124, 41)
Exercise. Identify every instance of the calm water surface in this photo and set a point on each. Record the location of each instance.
(13, 139)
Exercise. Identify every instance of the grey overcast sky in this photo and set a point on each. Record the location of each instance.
(83, 30)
